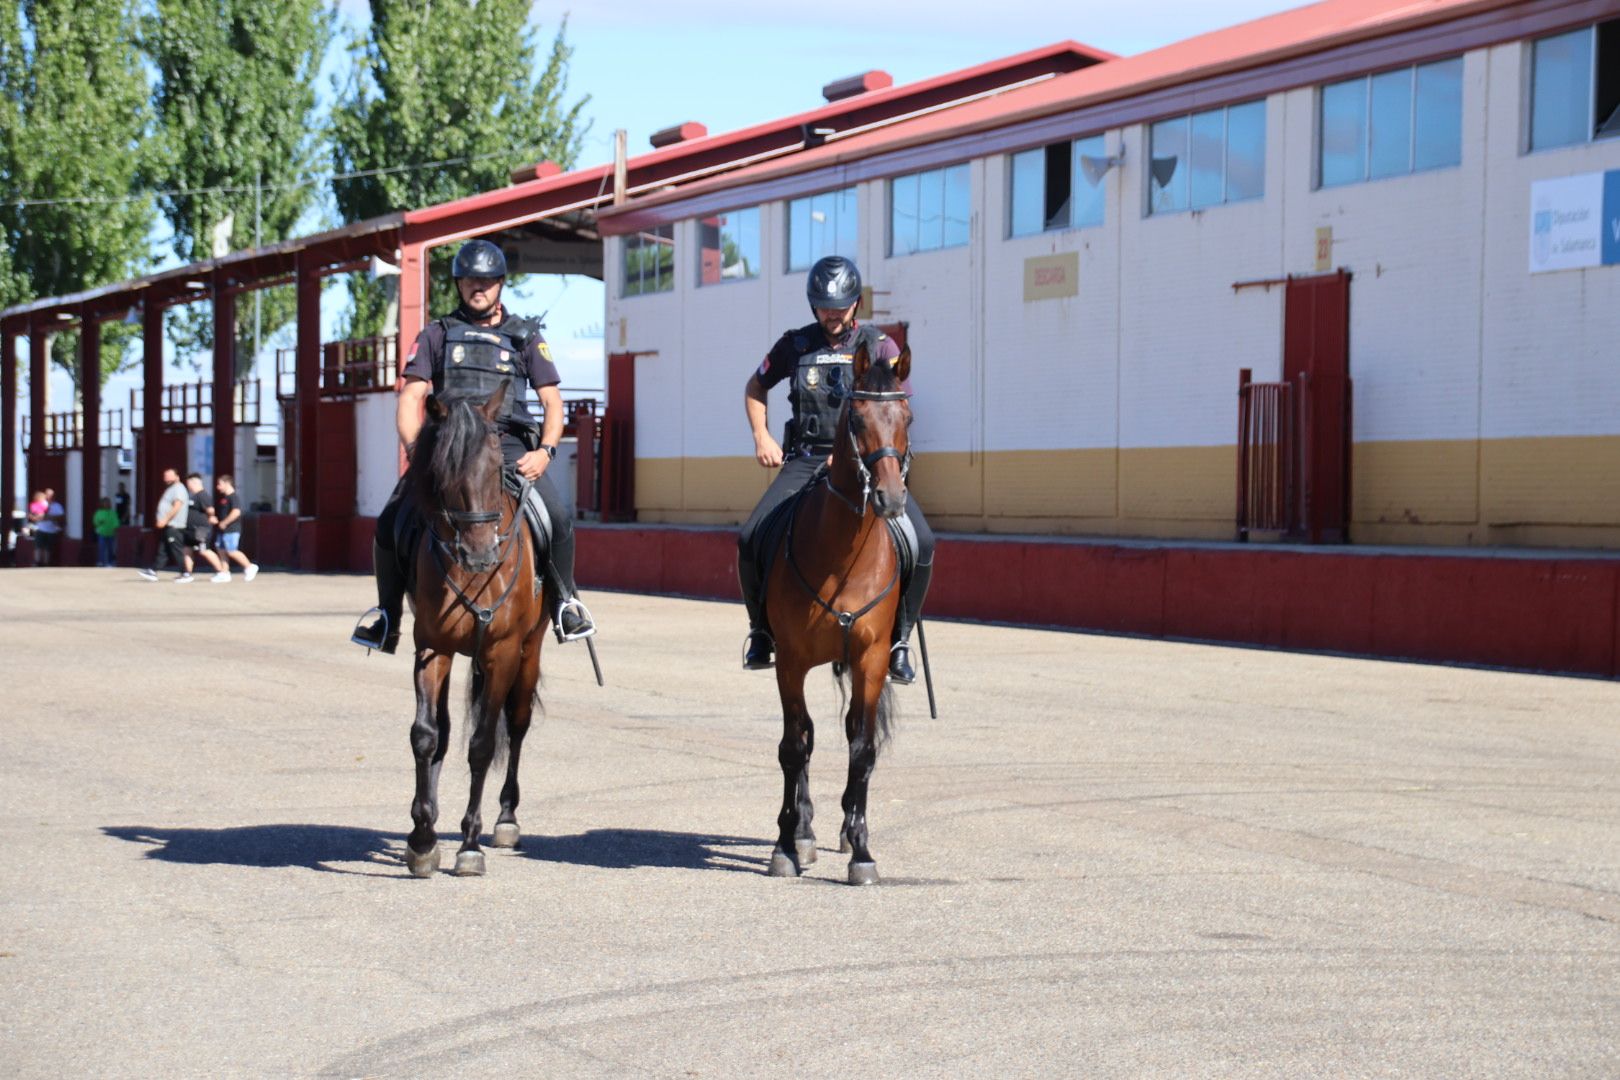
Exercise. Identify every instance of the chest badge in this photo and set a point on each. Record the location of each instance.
(458, 354)
(812, 377)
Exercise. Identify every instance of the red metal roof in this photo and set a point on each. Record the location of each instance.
(1263, 42)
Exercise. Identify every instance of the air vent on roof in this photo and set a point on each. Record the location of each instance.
(863, 83)
(538, 171)
(678, 134)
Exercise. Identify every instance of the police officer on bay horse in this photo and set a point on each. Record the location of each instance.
(818, 359)
(471, 352)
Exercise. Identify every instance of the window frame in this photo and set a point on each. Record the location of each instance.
(1413, 127)
(1593, 71)
(1072, 155)
(1186, 120)
(854, 193)
(759, 231)
(638, 241)
(945, 243)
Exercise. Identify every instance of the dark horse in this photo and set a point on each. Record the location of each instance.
(831, 598)
(474, 594)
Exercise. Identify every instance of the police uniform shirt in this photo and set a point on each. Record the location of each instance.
(428, 352)
(783, 359)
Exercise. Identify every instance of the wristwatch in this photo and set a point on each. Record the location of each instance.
(551, 451)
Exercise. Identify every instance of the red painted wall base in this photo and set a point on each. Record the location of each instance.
(1545, 612)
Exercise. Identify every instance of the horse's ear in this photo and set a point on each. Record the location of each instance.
(901, 365)
(436, 409)
(496, 403)
(863, 361)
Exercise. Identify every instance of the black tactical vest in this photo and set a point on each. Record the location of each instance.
(478, 359)
(821, 383)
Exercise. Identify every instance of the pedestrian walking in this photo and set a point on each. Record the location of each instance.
(199, 522)
(169, 522)
(228, 523)
(48, 531)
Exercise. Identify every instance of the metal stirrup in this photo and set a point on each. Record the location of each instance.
(574, 602)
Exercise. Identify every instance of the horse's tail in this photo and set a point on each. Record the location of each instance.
(886, 711)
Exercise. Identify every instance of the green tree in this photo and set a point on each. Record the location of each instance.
(74, 156)
(238, 135)
(460, 82)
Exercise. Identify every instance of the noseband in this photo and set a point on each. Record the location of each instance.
(865, 463)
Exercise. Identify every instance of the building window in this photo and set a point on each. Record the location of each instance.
(1052, 188)
(821, 225)
(649, 261)
(929, 210)
(728, 246)
(1207, 158)
(1575, 87)
(1391, 124)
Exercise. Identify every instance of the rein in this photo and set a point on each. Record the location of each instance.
(440, 548)
(864, 465)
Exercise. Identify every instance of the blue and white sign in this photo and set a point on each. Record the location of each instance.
(1575, 222)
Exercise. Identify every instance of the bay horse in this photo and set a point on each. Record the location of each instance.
(473, 595)
(831, 597)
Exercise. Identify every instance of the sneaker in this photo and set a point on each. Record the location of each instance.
(147, 575)
(223, 577)
(184, 579)
(251, 572)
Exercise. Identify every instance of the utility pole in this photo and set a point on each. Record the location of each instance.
(258, 182)
(620, 168)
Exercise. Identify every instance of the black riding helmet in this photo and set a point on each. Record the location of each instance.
(835, 283)
(480, 259)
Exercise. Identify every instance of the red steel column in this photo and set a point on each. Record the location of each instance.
(151, 466)
(307, 380)
(90, 401)
(8, 430)
(38, 342)
(224, 377)
(413, 299)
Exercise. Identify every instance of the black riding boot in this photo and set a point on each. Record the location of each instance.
(382, 632)
(572, 620)
(900, 669)
(759, 651)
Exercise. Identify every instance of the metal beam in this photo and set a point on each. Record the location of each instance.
(8, 429)
(90, 402)
(224, 377)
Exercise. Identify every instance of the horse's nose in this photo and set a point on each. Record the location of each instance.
(889, 506)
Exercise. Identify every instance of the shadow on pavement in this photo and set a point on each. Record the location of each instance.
(326, 847)
(626, 849)
(313, 847)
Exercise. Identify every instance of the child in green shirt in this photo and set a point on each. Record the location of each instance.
(105, 522)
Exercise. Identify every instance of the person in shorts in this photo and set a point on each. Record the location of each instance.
(199, 515)
(228, 528)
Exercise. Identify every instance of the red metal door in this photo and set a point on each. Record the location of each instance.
(336, 483)
(618, 464)
(1316, 360)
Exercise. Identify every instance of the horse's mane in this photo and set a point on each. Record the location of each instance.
(879, 377)
(446, 448)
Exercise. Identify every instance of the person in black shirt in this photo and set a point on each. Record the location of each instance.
(227, 518)
(198, 513)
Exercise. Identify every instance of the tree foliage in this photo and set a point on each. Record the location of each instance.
(236, 110)
(455, 82)
(74, 156)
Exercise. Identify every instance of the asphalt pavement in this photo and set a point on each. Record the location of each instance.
(1107, 857)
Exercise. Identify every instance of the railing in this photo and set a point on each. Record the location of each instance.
(191, 405)
(1268, 474)
(353, 366)
(65, 430)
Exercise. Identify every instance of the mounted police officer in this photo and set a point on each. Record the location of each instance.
(818, 359)
(471, 352)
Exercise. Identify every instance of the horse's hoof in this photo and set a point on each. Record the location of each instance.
(506, 835)
(782, 865)
(422, 863)
(805, 850)
(469, 863)
(863, 873)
